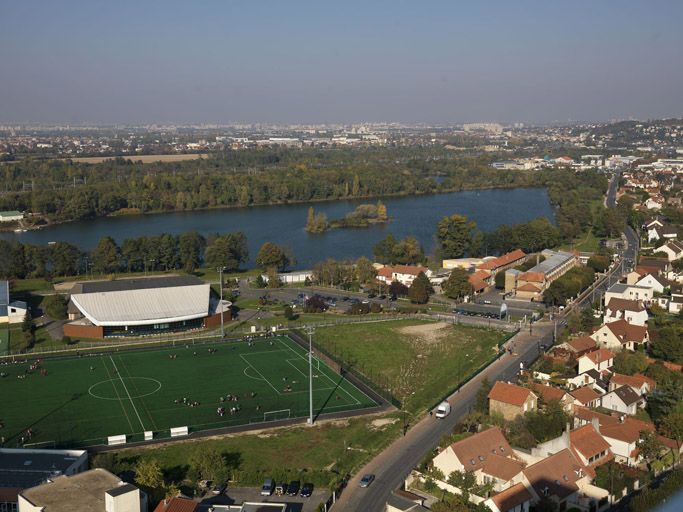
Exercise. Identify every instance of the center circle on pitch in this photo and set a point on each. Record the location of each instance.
(135, 387)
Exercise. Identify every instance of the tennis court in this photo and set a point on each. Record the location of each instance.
(80, 401)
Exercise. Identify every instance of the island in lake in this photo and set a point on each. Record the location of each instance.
(363, 216)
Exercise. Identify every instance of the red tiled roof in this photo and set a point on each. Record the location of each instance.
(582, 344)
(617, 304)
(549, 392)
(488, 451)
(557, 474)
(634, 381)
(587, 441)
(600, 355)
(585, 394)
(176, 505)
(503, 260)
(627, 332)
(511, 497)
(509, 393)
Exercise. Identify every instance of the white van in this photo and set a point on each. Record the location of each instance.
(443, 410)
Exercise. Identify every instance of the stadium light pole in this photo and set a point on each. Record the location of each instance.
(220, 275)
(310, 331)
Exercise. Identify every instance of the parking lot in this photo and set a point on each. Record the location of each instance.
(239, 495)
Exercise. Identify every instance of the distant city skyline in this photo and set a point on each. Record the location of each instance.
(221, 62)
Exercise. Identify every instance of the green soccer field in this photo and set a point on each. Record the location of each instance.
(82, 401)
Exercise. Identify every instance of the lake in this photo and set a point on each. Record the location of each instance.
(284, 224)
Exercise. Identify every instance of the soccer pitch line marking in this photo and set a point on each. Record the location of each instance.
(118, 399)
(254, 368)
(251, 376)
(137, 390)
(335, 384)
(104, 364)
(127, 393)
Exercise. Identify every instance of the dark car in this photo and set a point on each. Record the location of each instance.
(367, 480)
(293, 488)
(382, 297)
(372, 295)
(307, 490)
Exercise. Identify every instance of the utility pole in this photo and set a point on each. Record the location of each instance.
(220, 275)
(310, 330)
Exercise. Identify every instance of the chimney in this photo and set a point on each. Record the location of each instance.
(566, 440)
(538, 258)
(596, 424)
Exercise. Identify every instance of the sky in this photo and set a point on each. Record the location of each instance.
(288, 61)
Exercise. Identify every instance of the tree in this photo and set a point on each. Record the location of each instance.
(210, 465)
(408, 252)
(384, 249)
(191, 247)
(381, 211)
(365, 272)
(667, 343)
(481, 402)
(465, 481)
(398, 289)
(273, 278)
(458, 284)
(229, 251)
(150, 478)
(272, 255)
(671, 426)
(55, 306)
(650, 447)
(598, 263)
(630, 363)
(455, 235)
(289, 312)
(420, 289)
(106, 256)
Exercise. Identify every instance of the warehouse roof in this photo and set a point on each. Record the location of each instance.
(144, 306)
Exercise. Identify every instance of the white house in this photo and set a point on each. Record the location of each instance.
(655, 283)
(621, 335)
(629, 292)
(404, 274)
(599, 360)
(624, 400)
(673, 250)
(638, 383)
(632, 311)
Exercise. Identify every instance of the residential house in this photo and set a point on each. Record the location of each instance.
(579, 346)
(638, 383)
(661, 232)
(599, 360)
(547, 393)
(623, 400)
(630, 310)
(673, 250)
(404, 274)
(655, 283)
(585, 443)
(621, 432)
(586, 396)
(510, 400)
(481, 280)
(591, 378)
(629, 292)
(487, 454)
(655, 266)
(621, 335)
(513, 499)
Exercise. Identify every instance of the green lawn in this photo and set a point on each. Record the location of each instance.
(415, 367)
(82, 400)
(4, 339)
(320, 454)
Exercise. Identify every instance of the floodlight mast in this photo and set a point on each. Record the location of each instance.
(220, 275)
(310, 330)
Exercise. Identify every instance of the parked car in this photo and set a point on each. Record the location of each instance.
(268, 487)
(219, 489)
(293, 488)
(281, 489)
(307, 490)
(367, 480)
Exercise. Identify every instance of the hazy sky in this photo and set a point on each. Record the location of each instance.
(326, 61)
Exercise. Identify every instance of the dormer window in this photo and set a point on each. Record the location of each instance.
(473, 462)
(481, 458)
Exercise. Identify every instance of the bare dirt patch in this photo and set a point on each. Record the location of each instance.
(380, 423)
(430, 333)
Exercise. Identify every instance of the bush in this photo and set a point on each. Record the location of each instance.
(67, 340)
(315, 304)
(375, 307)
(358, 309)
(55, 307)
(289, 312)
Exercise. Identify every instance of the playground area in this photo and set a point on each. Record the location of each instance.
(83, 400)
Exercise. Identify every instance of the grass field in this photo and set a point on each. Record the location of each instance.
(4, 339)
(81, 401)
(417, 362)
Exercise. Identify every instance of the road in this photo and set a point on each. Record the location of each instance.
(395, 463)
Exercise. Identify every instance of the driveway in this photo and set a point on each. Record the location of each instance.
(239, 495)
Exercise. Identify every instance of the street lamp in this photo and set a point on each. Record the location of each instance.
(310, 330)
(220, 275)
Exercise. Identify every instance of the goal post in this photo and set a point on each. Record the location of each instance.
(282, 414)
